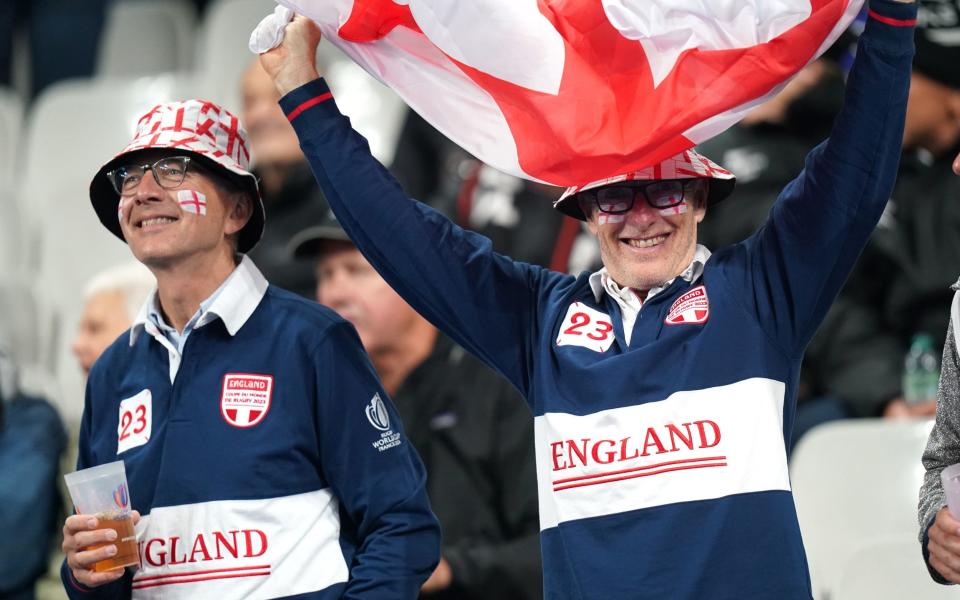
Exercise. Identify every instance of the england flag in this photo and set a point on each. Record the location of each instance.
(569, 91)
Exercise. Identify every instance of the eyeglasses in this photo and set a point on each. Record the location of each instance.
(168, 172)
(618, 198)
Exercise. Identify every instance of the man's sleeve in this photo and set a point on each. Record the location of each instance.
(943, 447)
(791, 270)
(512, 568)
(374, 472)
(484, 301)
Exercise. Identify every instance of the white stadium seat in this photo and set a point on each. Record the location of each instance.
(11, 124)
(147, 37)
(889, 569)
(854, 481)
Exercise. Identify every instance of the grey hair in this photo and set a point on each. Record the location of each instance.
(134, 281)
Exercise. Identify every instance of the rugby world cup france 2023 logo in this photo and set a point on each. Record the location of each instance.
(377, 413)
(120, 496)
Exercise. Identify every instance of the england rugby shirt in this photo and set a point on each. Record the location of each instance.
(661, 462)
(269, 464)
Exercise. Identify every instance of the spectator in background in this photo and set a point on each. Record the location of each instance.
(940, 530)
(468, 424)
(32, 439)
(113, 298)
(516, 214)
(291, 196)
(901, 285)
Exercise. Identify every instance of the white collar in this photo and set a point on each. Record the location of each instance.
(600, 279)
(238, 297)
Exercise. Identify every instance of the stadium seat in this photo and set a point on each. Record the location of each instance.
(165, 45)
(74, 128)
(853, 481)
(11, 253)
(11, 123)
(888, 569)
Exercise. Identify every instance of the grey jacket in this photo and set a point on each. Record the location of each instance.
(943, 447)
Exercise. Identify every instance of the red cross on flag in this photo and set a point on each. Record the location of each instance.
(571, 91)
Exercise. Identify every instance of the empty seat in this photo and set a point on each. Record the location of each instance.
(888, 569)
(11, 123)
(853, 481)
(146, 37)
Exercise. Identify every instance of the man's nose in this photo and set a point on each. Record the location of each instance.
(641, 211)
(147, 190)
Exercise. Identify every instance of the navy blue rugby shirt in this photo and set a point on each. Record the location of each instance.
(269, 464)
(661, 463)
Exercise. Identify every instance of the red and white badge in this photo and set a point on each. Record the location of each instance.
(586, 327)
(136, 421)
(245, 399)
(692, 308)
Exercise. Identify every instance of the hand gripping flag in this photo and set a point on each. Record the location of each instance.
(569, 91)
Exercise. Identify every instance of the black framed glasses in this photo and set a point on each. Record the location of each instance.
(168, 172)
(619, 198)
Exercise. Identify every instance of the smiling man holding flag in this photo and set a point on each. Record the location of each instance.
(663, 387)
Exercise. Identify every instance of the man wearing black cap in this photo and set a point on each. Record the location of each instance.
(468, 424)
(259, 444)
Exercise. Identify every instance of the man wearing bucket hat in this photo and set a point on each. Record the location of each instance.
(259, 444)
(663, 386)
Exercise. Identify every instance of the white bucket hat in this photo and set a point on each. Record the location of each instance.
(199, 129)
(689, 164)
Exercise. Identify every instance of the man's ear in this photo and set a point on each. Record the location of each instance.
(240, 213)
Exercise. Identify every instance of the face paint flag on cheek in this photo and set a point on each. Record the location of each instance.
(192, 201)
(605, 219)
(674, 210)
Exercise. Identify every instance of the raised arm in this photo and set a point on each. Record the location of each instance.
(791, 270)
(484, 301)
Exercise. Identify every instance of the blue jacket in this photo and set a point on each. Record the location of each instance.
(273, 465)
(32, 438)
(662, 469)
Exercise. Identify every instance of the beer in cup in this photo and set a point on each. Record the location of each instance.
(102, 491)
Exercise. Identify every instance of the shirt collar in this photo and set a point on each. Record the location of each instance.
(692, 273)
(233, 302)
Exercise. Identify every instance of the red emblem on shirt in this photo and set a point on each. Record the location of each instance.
(245, 399)
(692, 308)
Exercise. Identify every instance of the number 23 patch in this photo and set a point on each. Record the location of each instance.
(136, 421)
(586, 327)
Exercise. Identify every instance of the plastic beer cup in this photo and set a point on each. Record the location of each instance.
(102, 491)
(950, 477)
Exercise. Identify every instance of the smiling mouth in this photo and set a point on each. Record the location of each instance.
(155, 221)
(645, 242)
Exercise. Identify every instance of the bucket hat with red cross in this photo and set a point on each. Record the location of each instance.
(689, 164)
(205, 132)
